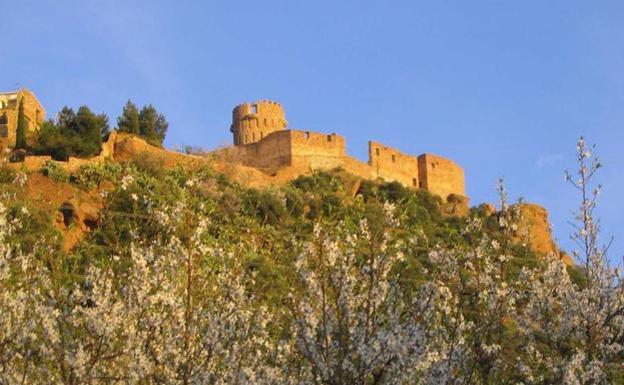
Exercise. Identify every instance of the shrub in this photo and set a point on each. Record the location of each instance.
(55, 171)
(90, 175)
(7, 174)
(149, 164)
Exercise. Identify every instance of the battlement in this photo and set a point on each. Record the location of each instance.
(251, 122)
(263, 142)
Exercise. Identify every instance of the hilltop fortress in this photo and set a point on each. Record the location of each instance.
(265, 153)
(262, 141)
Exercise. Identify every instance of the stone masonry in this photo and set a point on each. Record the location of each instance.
(9, 106)
(263, 142)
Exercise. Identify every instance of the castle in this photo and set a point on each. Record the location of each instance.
(262, 141)
(9, 108)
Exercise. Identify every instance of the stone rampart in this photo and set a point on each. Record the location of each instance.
(393, 165)
(440, 176)
(316, 151)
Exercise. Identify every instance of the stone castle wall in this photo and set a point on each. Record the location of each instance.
(252, 122)
(440, 175)
(316, 151)
(393, 165)
(273, 151)
(9, 108)
(263, 142)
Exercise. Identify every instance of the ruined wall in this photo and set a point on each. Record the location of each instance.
(440, 176)
(316, 151)
(392, 165)
(9, 106)
(274, 150)
(252, 122)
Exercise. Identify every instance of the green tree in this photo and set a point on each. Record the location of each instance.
(153, 125)
(129, 119)
(73, 134)
(20, 134)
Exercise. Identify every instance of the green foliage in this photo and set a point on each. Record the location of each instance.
(20, 134)
(128, 121)
(7, 174)
(147, 123)
(55, 171)
(35, 227)
(90, 175)
(72, 134)
(149, 163)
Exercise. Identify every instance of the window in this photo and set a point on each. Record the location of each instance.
(329, 138)
(420, 184)
(307, 134)
(414, 182)
(254, 108)
(393, 158)
(377, 151)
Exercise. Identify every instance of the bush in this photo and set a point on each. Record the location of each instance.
(55, 171)
(149, 164)
(90, 175)
(7, 174)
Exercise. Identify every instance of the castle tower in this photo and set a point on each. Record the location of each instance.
(253, 121)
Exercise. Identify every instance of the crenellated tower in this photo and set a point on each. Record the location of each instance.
(253, 121)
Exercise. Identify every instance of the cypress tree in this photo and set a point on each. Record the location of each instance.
(20, 133)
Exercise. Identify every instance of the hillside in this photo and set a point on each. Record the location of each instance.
(164, 265)
(80, 189)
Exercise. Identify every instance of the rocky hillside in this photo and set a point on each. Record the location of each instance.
(73, 194)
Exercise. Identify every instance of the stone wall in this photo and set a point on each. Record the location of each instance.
(316, 151)
(272, 151)
(252, 122)
(9, 107)
(393, 165)
(440, 176)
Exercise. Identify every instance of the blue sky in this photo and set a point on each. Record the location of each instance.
(503, 88)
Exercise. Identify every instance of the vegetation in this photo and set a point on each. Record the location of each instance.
(55, 171)
(78, 134)
(20, 133)
(190, 278)
(146, 123)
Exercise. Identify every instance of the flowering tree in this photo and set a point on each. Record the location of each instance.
(576, 329)
(353, 324)
(176, 311)
(477, 304)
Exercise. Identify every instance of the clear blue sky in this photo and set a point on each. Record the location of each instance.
(503, 88)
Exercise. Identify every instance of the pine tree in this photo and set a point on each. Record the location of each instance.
(153, 126)
(129, 119)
